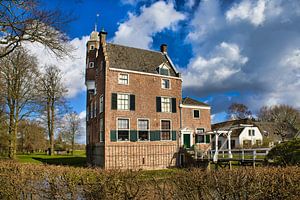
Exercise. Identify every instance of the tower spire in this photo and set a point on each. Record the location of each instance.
(97, 16)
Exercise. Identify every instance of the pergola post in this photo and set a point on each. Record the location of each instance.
(229, 145)
(215, 158)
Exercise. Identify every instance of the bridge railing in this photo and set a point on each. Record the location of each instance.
(241, 154)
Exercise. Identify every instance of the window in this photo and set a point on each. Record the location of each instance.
(143, 129)
(123, 102)
(164, 70)
(200, 136)
(92, 47)
(165, 83)
(101, 130)
(101, 104)
(123, 79)
(91, 65)
(196, 113)
(91, 110)
(165, 104)
(123, 129)
(165, 130)
(251, 132)
(95, 108)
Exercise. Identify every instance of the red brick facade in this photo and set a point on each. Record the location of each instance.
(146, 97)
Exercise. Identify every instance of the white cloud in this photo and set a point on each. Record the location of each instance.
(252, 11)
(222, 63)
(207, 19)
(71, 67)
(189, 3)
(251, 49)
(138, 30)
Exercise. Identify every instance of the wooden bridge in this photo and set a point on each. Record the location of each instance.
(227, 157)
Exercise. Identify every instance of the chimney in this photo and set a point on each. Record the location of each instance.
(163, 48)
(102, 36)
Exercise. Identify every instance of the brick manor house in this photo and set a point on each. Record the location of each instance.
(136, 116)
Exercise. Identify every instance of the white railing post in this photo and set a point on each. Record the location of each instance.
(215, 159)
(243, 154)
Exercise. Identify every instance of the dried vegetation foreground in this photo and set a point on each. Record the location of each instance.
(28, 181)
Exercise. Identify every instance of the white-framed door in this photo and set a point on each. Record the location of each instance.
(187, 138)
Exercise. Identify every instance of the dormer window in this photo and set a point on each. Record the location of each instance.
(164, 70)
(91, 65)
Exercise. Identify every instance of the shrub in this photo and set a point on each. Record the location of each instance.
(286, 153)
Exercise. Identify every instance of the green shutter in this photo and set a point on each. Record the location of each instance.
(174, 135)
(173, 105)
(158, 104)
(132, 102)
(114, 101)
(207, 139)
(113, 135)
(154, 135)
(133, 135)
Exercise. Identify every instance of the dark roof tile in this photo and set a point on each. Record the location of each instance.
(130, 58)
(190, 101)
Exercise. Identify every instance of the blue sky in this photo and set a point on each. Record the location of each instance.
(245, 51)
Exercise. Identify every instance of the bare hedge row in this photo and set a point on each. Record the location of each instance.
(25, 181)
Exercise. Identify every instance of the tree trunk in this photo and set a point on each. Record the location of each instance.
(73, 142)
(49, 125)
(52, 127)
(12, 138)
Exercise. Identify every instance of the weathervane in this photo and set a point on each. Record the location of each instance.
(97, 16)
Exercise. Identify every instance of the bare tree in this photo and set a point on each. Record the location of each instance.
(285, 118)
(52, 91)
(18, 73)
(24, 20)
(72, 128)
(238, 111)
(31, 136)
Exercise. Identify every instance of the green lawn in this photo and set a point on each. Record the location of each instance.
(78, 159)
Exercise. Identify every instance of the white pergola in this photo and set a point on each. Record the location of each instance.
(226, 133)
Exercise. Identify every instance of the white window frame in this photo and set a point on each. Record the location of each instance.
(162, 83)
(194, 114)
(119, 94)
(120, 80)
(101, 104)
(199, 133)
(95, 108)
(162, 103)
(251, 132)
(91, 64)
(117, 125)
(101, 129)
(164, 67)
(165, 129)
(138, 134)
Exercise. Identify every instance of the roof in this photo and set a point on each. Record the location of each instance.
(228, 124)
(190, 101)
(130, 58)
